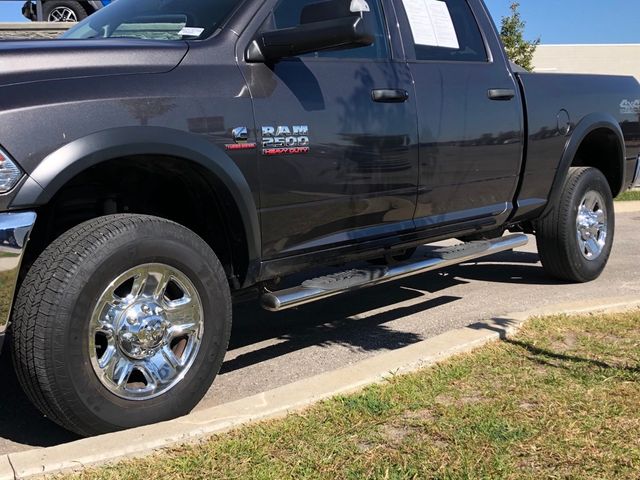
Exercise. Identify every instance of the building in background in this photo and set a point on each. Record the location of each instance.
(604, 59)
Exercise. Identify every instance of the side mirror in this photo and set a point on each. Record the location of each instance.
(338, 33)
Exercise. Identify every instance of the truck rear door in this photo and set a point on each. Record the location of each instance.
(470, 112)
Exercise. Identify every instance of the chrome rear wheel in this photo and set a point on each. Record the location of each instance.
(591, 225)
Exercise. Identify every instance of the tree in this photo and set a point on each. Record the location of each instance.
(518, 49)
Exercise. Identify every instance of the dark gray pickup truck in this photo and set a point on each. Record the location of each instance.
(165, 158)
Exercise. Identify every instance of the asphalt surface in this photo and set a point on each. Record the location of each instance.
(272, 349)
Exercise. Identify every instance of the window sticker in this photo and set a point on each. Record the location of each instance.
(431, 23)
(359, 6)
(191, 32)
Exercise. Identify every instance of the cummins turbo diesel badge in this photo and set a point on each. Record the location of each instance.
(284, 140)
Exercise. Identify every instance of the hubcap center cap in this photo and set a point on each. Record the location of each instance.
(588, 224)
(142, 330)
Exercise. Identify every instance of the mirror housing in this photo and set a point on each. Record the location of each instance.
(338, 33)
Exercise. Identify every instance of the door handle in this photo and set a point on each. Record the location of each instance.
(502, 94)
(390, 95)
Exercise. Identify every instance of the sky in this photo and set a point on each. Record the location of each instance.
(576, 21)
(553, 21)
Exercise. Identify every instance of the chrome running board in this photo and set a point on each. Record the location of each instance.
(348, 281)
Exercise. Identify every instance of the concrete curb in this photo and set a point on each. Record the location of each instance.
(281, 401)
(627, 207)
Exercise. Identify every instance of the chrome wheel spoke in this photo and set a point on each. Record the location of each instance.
(158, 282)
(159, 370)
(590, 201)
(182, 329)
(592, 247)
(149, 283)
(106, 358)
(184, 314)
(121, 371)
(139, 285)
(171, 358)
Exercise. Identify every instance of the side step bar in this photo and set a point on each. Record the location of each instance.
(336, 284)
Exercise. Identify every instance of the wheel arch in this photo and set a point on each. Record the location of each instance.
(77, 157)
(603, 131)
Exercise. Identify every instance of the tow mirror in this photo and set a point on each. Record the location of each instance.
(338, 33)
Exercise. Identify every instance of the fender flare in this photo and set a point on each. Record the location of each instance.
(587, 125)
(59, 167)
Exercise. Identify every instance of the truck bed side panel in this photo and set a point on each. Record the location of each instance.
(579, 95)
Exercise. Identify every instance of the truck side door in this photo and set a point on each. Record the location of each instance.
(470, 113)
(356, 175)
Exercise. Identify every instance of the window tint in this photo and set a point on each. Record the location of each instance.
(289, 13)
(471, 45)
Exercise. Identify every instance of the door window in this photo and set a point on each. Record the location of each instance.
(445, 30)
(292, 13)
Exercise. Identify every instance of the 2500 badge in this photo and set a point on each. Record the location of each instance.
(284, 140)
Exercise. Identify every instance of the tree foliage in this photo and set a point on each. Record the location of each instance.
(518, 49)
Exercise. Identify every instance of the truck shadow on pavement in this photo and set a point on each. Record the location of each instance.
(506, 267)
(355, 320)
(20, 421)
(338, 321)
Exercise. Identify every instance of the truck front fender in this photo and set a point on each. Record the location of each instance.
(59, 167)
(586, 126)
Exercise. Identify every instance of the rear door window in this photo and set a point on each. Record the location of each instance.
(445, 30)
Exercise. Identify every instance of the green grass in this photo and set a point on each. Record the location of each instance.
(630, 195)
(5, 296)
(561, 400)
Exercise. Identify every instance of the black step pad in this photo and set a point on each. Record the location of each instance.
(461, 250)
(345, 280)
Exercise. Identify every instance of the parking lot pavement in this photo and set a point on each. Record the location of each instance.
(272, 349)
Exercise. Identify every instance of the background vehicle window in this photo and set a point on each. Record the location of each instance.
(472, 48)
(288, 14)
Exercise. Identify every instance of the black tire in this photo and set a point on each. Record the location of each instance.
(557, 233)
(56, 10)
(51, 346)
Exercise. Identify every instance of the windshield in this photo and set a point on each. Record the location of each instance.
(155, 20)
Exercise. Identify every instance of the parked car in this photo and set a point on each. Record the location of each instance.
(230, 144)
(63, 10)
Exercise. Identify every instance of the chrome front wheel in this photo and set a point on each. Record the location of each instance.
(146, 331)
(122, 321)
